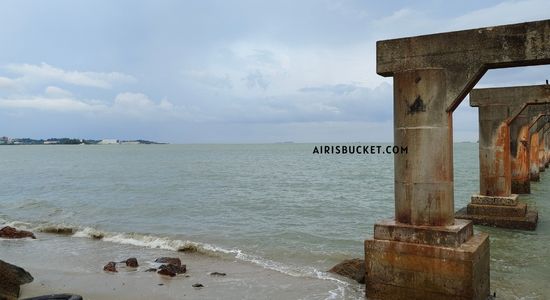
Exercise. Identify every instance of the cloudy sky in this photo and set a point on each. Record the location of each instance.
(242, 71)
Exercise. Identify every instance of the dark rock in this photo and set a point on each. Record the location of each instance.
(175, 269)
(351, 268)
(132, 262)
(11, 277)
(56, 297)
(198, 285)
(166, 272)
(110, 267)
(169, 260)
(217, 274)
(97, 236)
(188, 248)
(58, 230)
(151, 270)
(12, 233)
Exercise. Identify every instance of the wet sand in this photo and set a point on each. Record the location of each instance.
(66, 264)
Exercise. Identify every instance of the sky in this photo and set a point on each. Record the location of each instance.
(241, 71)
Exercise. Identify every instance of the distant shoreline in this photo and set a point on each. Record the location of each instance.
(71, 141)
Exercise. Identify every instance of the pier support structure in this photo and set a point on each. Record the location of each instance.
(495, 205)
(520, 136)
(424, 252)
(539, 140)
(547, 145)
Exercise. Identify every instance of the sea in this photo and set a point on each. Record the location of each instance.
(278, 207)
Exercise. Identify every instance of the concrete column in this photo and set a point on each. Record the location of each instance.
(495, 177)
(547, 145)
(519, 143)
(542, 153)
(520, 137)
(537, 142)
(424, 177)
(534, 157)
(423, 252)
(495, 205)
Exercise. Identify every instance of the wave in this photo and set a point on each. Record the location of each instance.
(179, 245)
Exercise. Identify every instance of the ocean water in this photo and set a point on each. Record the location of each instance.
(274, 205)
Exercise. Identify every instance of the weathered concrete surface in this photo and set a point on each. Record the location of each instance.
(542, 142)
(506, 109)
(466, 55)
(534, 158)
(447, 236)
(519, 147)
(422, 271)
(527, 222)
(423, 177)
(432, 75)
(511, 200)
(546, 133)
(536, 101)
(497, 107)
(536, 155)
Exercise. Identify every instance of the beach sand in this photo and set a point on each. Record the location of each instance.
(67, 264)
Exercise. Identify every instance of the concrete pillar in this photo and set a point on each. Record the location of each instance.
(547, 144)
(537, 142)
(494, 151)
(538, 102)
(423, 183)
(542, 154)
(519, 144)
(495, 205)
(423, 252)
(534, 158)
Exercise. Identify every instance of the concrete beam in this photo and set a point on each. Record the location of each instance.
(466, 55)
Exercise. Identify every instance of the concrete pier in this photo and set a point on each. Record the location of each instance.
(495, 205)
(424, 252)
(546, 133)
(536, 156)
(537, 101)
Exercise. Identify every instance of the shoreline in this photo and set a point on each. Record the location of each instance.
(70, 264)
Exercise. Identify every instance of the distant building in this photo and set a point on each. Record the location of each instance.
(108, 142)
(5, 140)
(51, 142)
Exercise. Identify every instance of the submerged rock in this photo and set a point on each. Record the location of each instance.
(12, 233)
(188, 248)
(110, 267)
(166, 272)
(198, 285)
(11, 277)
(175, 269)
(132, 262)
(58, 230)
(217, 274)
(169, 260)
(151, 270)
(351, 268)
(56, 297)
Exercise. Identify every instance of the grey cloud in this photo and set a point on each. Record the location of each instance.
(256, 79)
(336, 89)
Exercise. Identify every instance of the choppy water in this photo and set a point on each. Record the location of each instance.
(276, 205)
